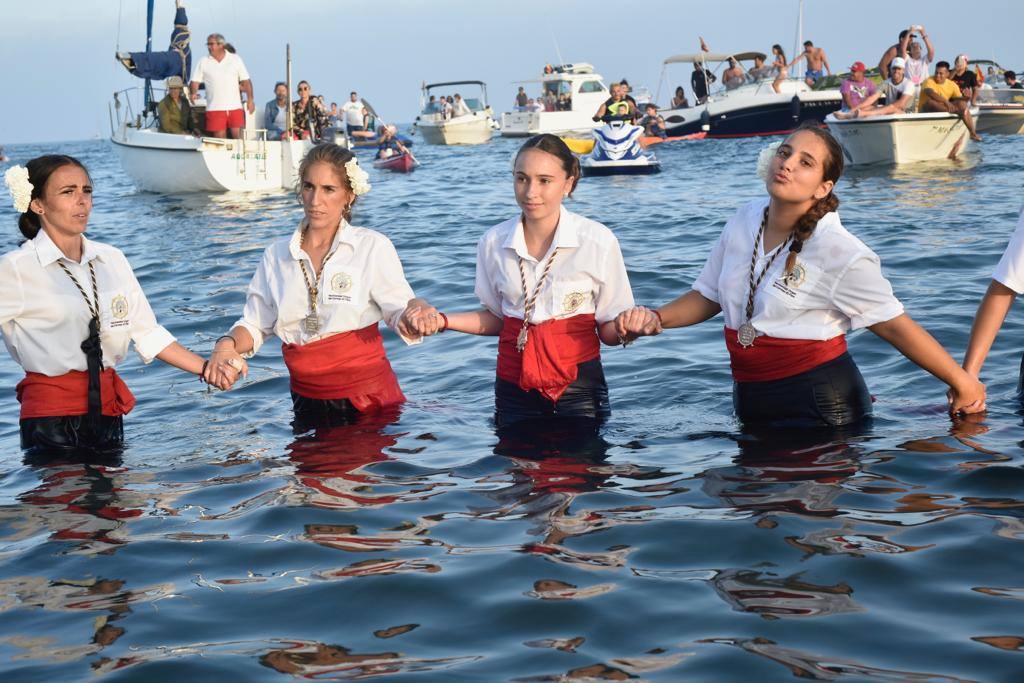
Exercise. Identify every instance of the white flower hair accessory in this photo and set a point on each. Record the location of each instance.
(16, 179)
(764, 159)
(357, 177)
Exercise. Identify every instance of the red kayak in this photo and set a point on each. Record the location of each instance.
(399, 163)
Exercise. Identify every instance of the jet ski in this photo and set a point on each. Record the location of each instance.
(617, 151)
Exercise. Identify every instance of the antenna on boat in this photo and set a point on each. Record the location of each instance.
(799, 36)
(555, 41)
(288, 78)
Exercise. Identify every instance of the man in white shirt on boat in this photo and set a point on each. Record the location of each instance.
(899, 94)
(355, 115)
(224, 74)
(459, 107)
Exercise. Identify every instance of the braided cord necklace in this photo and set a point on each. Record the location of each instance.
(91, 346)
(531, 299)
(747, 333)
(311, 323)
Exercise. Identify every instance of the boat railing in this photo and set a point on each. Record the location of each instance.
(1000, 96)
(127, 110)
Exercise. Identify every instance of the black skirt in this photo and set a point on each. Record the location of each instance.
(831, 395)
(70, 434)
(587, 398)
(321, 413)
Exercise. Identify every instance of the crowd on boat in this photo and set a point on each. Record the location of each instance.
(788, 279)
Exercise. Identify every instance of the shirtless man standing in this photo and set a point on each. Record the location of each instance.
(816, 59)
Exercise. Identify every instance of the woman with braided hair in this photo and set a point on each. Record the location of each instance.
(786, 318)
(551, 283)
(69, 308)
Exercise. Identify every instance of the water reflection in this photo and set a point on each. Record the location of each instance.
(820, 668)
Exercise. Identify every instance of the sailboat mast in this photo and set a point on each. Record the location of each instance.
(799, 45)
(288, 79)
(148, 88)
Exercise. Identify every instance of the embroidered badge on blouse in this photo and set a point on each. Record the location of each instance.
(341, 283)
(119, 307)
(573, 301)
(796, 277)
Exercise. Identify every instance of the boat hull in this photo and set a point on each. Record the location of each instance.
(900, 139)
(1000, 119)
(752, 114)
(641, 166)
(166, 163)
(523, 124)
(473, 129)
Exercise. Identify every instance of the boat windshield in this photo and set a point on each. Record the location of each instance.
(1000, 96)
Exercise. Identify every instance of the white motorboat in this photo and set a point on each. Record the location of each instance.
(752, 108)
(570, 95)
(1000, 111)
(469, 129)
(165, 162)
(901, 138)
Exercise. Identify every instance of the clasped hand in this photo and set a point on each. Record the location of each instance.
(225, 366)
(419, 319)
(638, 321)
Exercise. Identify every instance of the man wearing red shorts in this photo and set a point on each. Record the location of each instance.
(224, 74)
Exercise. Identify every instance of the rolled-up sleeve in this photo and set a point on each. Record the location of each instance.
(484, 288)
(260, 313)
(149, 337)
(390, 290)
(864, 295)
(1010, 271)
(615, 295)
(707, 282)
(12, 292)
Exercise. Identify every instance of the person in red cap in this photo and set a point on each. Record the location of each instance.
(858, 92)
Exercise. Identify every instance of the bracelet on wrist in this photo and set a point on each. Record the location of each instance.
(657, 314)
(202, 373)
(444, 318)
(226, 336)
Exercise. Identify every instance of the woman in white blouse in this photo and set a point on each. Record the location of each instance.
(322, 291)
(69, 308)
(551, 283)
(786, 317)
(1007, 282)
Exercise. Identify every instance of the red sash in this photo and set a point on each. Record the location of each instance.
(349, 365)
(68, 394)
(771, 358)
(553, 350)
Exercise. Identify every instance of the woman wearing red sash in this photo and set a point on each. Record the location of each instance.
(551, 283)
(69, 308)
(322, 291)
(791, 282)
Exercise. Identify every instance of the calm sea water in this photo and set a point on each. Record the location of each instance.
(222, 547)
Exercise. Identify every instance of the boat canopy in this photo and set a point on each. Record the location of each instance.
(447, 83)
(698, 57)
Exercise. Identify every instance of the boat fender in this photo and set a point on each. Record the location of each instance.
(794, 108)
(705, 120)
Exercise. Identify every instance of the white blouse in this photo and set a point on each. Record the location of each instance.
(1010, 270)
(588, 274)
(362, 283)
(837, 286)
(44, 318)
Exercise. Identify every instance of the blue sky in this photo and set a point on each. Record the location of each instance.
(63, 70)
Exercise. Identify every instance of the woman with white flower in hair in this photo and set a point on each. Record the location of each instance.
(69, 308)
(791, 281)
(322, 291)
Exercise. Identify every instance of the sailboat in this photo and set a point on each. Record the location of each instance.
(173, 163)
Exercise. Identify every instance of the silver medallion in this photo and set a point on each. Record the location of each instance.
(311, 324)
(746, 335)
(521, 339)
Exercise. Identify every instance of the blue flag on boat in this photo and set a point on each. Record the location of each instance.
(175, 61)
